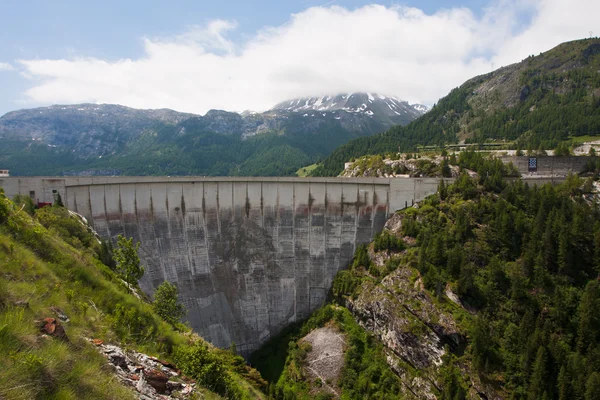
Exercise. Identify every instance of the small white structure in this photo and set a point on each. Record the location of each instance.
(4, 172)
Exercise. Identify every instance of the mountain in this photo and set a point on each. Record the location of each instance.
(538, 102)
(111, 139)
(86, 129)
(389, 110)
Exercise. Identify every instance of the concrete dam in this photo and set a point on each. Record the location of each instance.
(249, 255)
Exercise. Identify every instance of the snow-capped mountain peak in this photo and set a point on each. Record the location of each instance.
(375, 105)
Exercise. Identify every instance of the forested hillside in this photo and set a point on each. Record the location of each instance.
(497, 281)
(526, 260)
(190, 148)
(534, 104)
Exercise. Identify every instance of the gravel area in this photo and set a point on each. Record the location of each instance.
(326, 358)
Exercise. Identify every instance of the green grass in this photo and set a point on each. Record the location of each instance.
(40, 270)
(583, 139)
(305, 171)
(36, 367)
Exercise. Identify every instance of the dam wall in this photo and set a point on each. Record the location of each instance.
(249, 255)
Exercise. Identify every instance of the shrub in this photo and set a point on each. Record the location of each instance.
(165, 303)
(207, 368)
(25, 202)
(388, 242)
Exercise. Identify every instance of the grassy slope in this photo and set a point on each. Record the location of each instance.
(38, 267)
(305, 171)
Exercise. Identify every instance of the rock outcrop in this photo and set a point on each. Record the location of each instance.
(325, 359)
(416, 329)
(150, 377)
(402, 165)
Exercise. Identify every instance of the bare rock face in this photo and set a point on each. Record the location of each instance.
(415, 331)
(150, 377)
(325, 360)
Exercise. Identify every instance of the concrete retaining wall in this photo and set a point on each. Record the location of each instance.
(549, 165)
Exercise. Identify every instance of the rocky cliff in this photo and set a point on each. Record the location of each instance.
(417, 330)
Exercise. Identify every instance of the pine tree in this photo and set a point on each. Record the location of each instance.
(481, 344)
(539, 376)
(564, 385)
(442, 191)
(592, 387)
(589, 320)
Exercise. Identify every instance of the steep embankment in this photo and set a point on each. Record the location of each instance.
(55, 295)
(485, 290)
(537, 102)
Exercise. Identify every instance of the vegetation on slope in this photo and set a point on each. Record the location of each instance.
(525, 261)
(365, 373)
(537, 103)
(521, 264)
(51, 261)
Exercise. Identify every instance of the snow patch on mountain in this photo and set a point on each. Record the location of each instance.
(374, 105)
(421, 107)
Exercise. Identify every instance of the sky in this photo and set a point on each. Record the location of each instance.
(239, 55)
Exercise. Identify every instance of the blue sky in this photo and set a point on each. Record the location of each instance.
(198, 55)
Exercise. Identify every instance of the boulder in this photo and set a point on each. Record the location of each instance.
(51, 327)
(157, 379)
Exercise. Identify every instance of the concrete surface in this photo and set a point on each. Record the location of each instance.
(249, 255)
(549, 165)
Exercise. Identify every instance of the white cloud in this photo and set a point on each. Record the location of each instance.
(553, 22)
(6, 67)
(323, 50)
